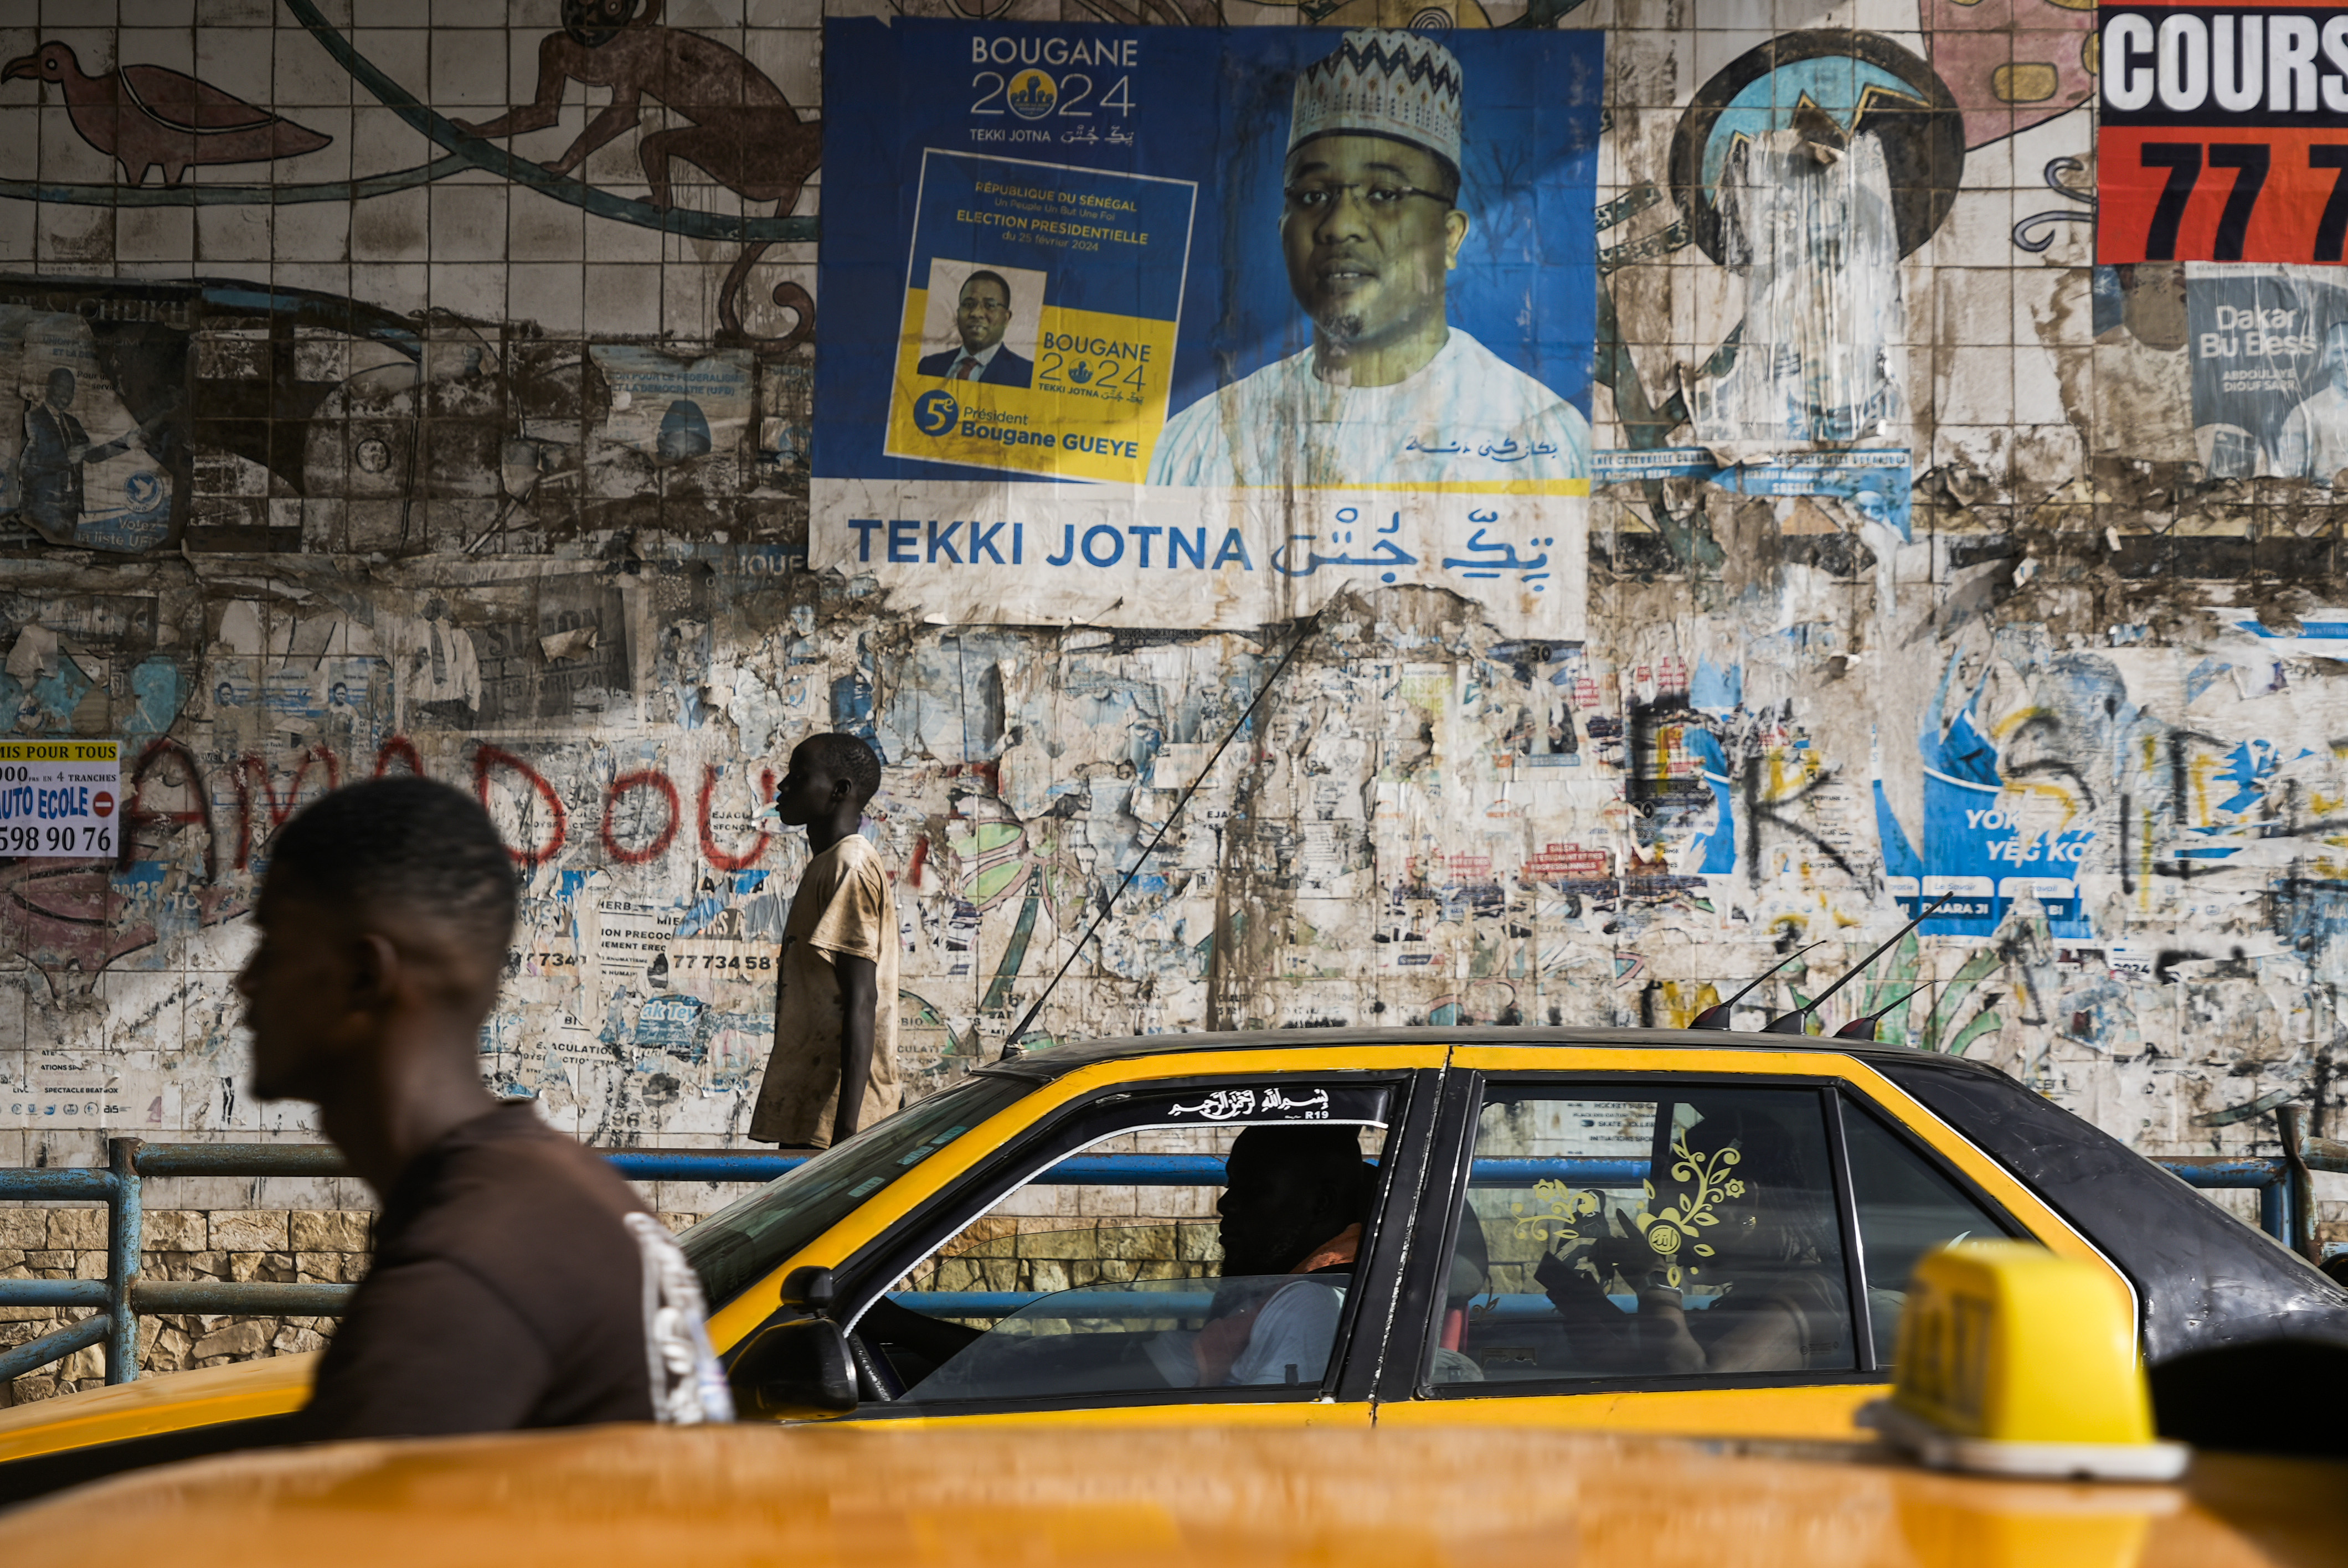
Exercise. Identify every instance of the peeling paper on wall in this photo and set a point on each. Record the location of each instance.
(1817, 244)
(568, 644)
(34, 655)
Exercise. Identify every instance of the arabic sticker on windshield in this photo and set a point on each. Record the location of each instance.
(1275, 1102)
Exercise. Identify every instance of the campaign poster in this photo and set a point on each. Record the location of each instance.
(1201, 327)
(2222, 134)
(2269, 348)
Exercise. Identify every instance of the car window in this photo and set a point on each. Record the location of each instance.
(1607, 1233)
(1906, 1208)
(752, 1236)
(1078, 1283)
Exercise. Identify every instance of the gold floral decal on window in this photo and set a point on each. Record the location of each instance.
(1673, 1232)
(1553, 1221)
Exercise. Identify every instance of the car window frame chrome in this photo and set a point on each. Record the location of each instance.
(1851, 1099)
(1854, 1263)
(1364, 1340)
(1436, 1222)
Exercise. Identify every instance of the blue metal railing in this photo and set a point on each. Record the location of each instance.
(122, 1295)
(1108, 1301)
(2270, 1177)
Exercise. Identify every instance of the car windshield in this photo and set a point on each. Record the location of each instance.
(745, 1241)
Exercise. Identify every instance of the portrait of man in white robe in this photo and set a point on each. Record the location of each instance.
(1391, 393)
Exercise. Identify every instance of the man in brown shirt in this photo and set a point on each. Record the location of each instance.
(517, 1280)
(833, 1069)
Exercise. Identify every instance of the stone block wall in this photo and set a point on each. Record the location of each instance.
(1032, 1253)
(305, 1247)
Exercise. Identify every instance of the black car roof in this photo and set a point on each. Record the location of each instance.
(1052, 1060)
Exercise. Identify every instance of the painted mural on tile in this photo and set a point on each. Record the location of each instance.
(390, 395)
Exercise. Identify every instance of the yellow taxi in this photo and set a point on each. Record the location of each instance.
(1629, 1230)
(2013, 1362)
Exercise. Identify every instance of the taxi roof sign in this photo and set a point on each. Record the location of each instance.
(2015, 1361)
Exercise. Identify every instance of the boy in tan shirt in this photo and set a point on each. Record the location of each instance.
(834, 1065)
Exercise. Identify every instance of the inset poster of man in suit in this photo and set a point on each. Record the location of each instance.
(56, 447)
(74, 464)
(983, 317)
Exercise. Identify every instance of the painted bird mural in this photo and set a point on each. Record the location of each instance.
(142, 115)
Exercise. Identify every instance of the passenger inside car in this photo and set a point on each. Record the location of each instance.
(1294, 1205)
(1295, 1202)
(1627, 1236)
(1774, 1307)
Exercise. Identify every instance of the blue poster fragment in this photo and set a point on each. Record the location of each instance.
(1874, 481)
(1982, 844)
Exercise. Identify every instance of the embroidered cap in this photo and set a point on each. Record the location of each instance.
(1382, 81)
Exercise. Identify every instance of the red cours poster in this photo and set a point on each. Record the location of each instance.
(2223, 135)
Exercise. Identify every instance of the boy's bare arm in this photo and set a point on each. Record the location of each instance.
(860, 990)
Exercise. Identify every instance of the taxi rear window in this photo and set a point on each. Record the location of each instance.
(742, 1243)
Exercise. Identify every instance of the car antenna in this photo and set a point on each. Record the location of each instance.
(1011, 1045)
(1863, 1026)
(1717, 1015)
(1797, 1021)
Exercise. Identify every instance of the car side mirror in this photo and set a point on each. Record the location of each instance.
(811, 1287)
(795, 1370)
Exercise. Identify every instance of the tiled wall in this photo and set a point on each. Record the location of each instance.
(418, 515)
